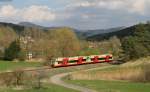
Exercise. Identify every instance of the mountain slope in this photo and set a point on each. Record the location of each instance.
(28, 24)
(101, 31)
(120, 34)
(15, 27)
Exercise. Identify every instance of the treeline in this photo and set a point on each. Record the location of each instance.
(59, 42)
(137, 45)
(52, 43)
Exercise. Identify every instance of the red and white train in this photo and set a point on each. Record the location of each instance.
(79, 60)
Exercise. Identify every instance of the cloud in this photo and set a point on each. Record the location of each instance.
(82, 14)
(131, 6)
(8, 11)
(95, 14)
(37, 13)
(32, 14)
(139, 6)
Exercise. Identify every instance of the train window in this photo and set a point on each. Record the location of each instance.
(87, 59)
(59, 62)
(84, 60)
(72, 61)
(104, 58)
(110, 57)
(101, 58)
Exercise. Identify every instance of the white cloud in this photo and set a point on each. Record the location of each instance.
(32, 14)
(8, 11)
(131, 6)
(37, 13)
(139, 6)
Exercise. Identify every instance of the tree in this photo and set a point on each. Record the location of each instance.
(127, 45)
(7, 35)
(142, 36)
(133, 49)
(64, 42)
(12, 52)
(115, 46)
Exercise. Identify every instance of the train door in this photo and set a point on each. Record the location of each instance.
(65, 61)
(96, 59)
(80, 60)
(107, 58)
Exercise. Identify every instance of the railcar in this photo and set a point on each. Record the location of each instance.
(80, 60)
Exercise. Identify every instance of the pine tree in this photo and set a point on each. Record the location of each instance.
(12, 52)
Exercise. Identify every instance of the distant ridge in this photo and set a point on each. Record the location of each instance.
(89, 33)
(29, 24)
(129, 31)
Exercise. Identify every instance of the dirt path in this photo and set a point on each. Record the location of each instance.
(57, 79)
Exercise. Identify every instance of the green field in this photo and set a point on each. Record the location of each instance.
(9, 65)
(113, 86)
(46, 88)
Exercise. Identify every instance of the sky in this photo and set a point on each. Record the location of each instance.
(79, 14)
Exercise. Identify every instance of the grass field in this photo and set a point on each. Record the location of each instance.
(113, 86)
(46, 88)
(106, 80)
(8, 65)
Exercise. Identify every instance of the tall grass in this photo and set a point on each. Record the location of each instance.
(137, 74)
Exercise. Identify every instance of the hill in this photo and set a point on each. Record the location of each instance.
(129, 31)
(28, 24)
(90, 33)
(120, 33)
(15, 27)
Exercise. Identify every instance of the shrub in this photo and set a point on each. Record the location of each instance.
(18, 77)
(6, 79)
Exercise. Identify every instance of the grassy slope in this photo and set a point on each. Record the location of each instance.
(113, 86)
(116, 86)
(8, 65)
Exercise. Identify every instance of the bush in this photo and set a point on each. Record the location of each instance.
(34, 79)
(18, 77)
(6, 79)
(30, 79)
(12, 78)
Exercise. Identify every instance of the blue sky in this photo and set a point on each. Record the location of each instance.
(79, 14)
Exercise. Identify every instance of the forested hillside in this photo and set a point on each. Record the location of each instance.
(129, 31)
(135, 40)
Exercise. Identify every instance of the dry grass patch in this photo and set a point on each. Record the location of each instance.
(138, 74)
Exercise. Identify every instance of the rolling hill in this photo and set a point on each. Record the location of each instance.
(129, 31)
(90, 33)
